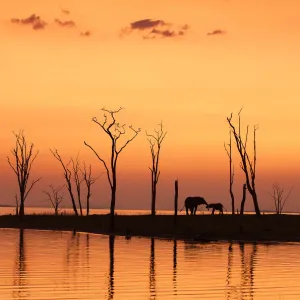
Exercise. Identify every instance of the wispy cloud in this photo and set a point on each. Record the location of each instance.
(35, 21)
(68, 23)
(85, 33)
(216, 32)
(154, 28)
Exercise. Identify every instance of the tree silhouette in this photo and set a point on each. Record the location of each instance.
(155, 140)
(68, 177)
(279, 197)
(55, 197)
(231, 171)
(115, 131)
(247, 165)
(89, 181)
(24, 158)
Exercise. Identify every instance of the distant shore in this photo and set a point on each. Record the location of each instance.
(200, 227)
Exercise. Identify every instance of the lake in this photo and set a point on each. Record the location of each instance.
(62, 265)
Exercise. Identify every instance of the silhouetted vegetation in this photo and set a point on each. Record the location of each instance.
(231, 171)
(68, 178)
(248, 166)
(155, 140)
(24, 157)
(279, 197)
(115, 131)
(55, 197)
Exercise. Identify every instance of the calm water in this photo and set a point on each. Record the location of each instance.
(61, 265)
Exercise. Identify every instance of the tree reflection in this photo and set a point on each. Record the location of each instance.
(20, 282)
(247, 280)
(111, 267)
(175, 267)
(229, 268)
(152, 282)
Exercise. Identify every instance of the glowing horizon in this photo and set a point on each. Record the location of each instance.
(187, 64)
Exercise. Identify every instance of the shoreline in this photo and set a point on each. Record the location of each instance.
(199, 228)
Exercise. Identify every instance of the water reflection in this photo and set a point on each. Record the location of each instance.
(111, 267)
(20, 283)
(247, 263)
(175, 267)
(53, 265)
(152, 280)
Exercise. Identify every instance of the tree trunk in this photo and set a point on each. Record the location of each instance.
(88, 203)
(80, 207)
(243, 199)
(112, 208)
(232, 200)
(153, 199)
(176, 202)
(255, 202)
(22, 200)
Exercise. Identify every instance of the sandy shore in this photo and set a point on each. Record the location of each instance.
(199, 227)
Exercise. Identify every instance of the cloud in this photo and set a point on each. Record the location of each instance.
(154, 28)
(85, 33)
(69, 23)
(35, 21)
(146, 24)
(65, 11)
(216, 32)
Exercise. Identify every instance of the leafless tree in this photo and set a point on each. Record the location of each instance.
(155, 140)
(89, 181)
(17, 204)
(115, 131)
(55, 197)
(68, 178)
(24, 157)
(231, 171)
(78, 179)
(243, 199)
(279, 197)
(248, 166)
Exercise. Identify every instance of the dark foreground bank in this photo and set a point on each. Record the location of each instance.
(199, 227)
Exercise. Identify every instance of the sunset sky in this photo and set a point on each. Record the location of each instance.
(190, 65)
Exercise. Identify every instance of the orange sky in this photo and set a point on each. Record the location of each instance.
(54, 81)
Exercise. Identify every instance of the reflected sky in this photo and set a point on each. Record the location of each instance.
(65, 265)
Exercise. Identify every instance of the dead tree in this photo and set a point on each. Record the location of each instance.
(89, 181)
(55, 197)
(231, 171)
(24, 157)
(114, 131)
(243, 199)
(279, 197)
(17, 205)
(176, 202)
(78, 180)
(68, 176)
(155, 140)
(248, 166)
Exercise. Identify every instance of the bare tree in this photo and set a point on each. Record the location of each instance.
(68, 176)
(231, 171)
(279, 197)
(55, 197)
(114, 130)
(243, 199)
(248, 166)
(17, 204)
(89, 181)
(24, 157)
(78, 179)
(155, 140)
